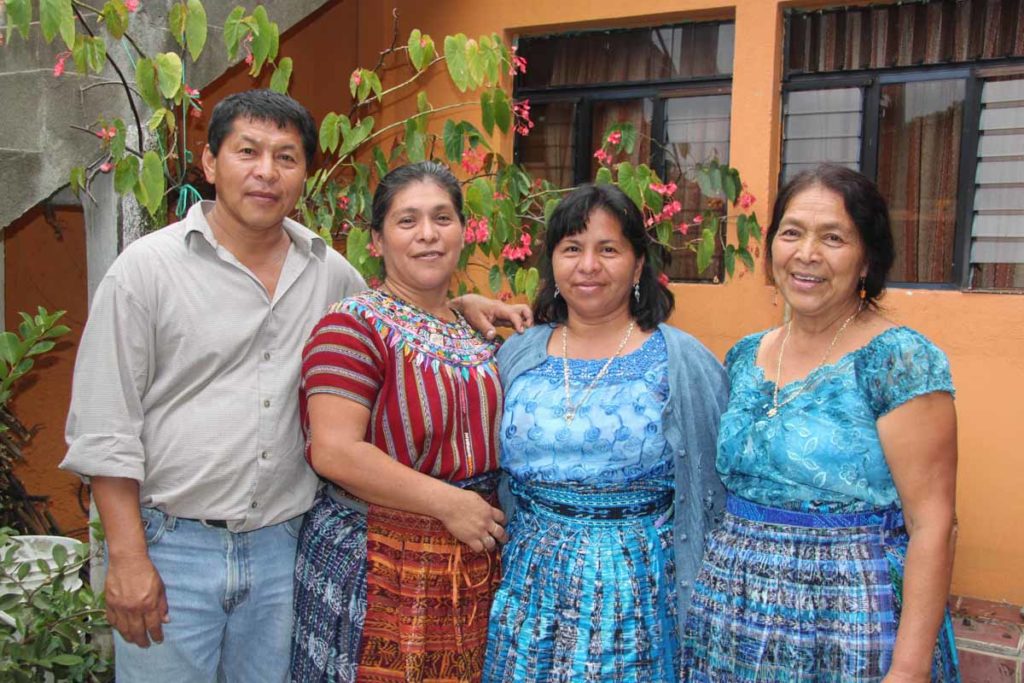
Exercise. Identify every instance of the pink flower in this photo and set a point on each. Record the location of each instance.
(106, 167)
(615, 137)
(343, 202)
(519, 252)
(131, 5)
(698, 219)
(473, 160)
(663, 279)
(106, 134)
(58, 66)
(603, 156)
(357, 77)
(670, 209)
(518, 64)
(191, 92)
(500, 195)
(478, 231)
(373, 250)
(746, 200)
(684, 228)
(248, 58)
(666, 190)
(521, 110)
(375, 282)
(505, 296)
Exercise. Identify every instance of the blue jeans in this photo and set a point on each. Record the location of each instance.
(229, 598)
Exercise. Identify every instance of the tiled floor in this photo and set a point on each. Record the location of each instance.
(990, 638)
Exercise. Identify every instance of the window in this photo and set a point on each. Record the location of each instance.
(672, 82)
(927, 99)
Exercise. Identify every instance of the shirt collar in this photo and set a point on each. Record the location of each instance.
(302, 237)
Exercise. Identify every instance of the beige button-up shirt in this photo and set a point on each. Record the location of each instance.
(187, 375)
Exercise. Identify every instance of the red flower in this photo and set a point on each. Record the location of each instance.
(698, 219)
(518, 64)
(357, 77)
(746, 200)
(478, 230)
(666, 190)
(473, 160)
(374, 251)
(343, 202)
(131, 5)
(521, 110)
(106, 167)
(58, 66)
(684, 228)
(615, 137)
(603, 156)
(663, 279)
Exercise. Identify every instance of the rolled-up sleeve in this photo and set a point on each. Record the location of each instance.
(112, 372)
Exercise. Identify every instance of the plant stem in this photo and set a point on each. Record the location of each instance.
(401, 85)
(120, 74)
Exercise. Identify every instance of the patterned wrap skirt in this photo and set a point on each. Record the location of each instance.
(800, 597)
(389, 596)
(588, 592)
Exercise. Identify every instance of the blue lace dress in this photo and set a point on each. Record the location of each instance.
(803, 581)
(587, 592)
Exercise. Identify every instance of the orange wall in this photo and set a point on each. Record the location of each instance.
(982, 333)
(46, 267)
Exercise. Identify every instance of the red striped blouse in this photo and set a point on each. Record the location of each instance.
(432, 387)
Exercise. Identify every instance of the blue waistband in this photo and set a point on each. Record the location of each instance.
(594, 504)
(886, 518)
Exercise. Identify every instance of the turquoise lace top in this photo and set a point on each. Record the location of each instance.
(821, 452)
(616, 437)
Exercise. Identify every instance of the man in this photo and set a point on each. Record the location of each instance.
(184, 412)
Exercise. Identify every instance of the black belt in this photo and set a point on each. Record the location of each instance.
(218, 523)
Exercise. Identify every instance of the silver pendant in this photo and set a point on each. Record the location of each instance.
(772, 412)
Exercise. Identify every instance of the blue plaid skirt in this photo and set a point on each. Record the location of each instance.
(587, 591)
(801, 598)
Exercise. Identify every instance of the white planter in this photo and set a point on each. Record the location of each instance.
(34, 548)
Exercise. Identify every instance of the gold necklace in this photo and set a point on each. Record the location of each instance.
(776, 405)
(570, 409)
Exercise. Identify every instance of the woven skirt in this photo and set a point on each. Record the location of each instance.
(588, 592)
(801, 597)
(388, 596)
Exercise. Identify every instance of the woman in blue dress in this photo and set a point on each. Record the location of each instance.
(608, 442)
(838, 450)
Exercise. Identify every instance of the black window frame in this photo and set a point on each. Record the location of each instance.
(583, 97)
(870, 81)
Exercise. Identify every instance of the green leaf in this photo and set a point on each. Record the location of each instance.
(742, 231)
(56, 16)
(151, 182)
(126, 174)
(59, 552)
(416, 49)
(380, 162)
(415, 142)
(357, 136)
(67, 659)
(747, 258)
(234, 29)
(372, 81)
(422, 103)
(494, 279)
(146, 81)
(664, 231)
(282, 76)
(10, 348)
(604, 176)
(753, 226)
(196, 28)
(157, 118)
(95, 53)
(729, 258)
(502, 110)
(487, 111)
(77, 179)
(706, 250)
(519, 282)
(176, 22)
(19, 16)
(549, 208)
(531, 281)
(628, 184)
(730, 186)
(474, 63)
(168, 67)
(455, 55)
(452, 137)
(329, 132)
(483, 193)
(115, 18)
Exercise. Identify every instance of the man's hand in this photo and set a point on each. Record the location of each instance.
(136, 601)
(484, 314)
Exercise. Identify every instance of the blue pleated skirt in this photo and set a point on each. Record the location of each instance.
(801, 598)
(588, 591)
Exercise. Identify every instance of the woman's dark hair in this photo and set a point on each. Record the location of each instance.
(866, 207)
(403, 176)
(262, 105)
(570, 217)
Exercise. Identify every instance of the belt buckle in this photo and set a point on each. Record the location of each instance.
(214, 523)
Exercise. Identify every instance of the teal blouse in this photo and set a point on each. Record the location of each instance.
(822, 452)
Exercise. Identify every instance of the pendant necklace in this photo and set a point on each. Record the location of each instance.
(570, 409)
(776, 404)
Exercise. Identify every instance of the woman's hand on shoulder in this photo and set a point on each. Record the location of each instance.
(484, 314)
(472, 520)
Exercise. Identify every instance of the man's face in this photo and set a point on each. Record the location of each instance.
(259, 173)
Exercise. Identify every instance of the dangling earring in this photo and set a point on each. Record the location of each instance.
(636, 291)
(863, 289)
(557, 293)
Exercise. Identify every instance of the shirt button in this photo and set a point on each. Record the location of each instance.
(266, 355)
(254, 505)
(265, 455)
(266, 403)
(683, 538)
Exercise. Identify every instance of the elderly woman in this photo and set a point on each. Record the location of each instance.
(400, 400)
(838, 450)
(608, 440)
